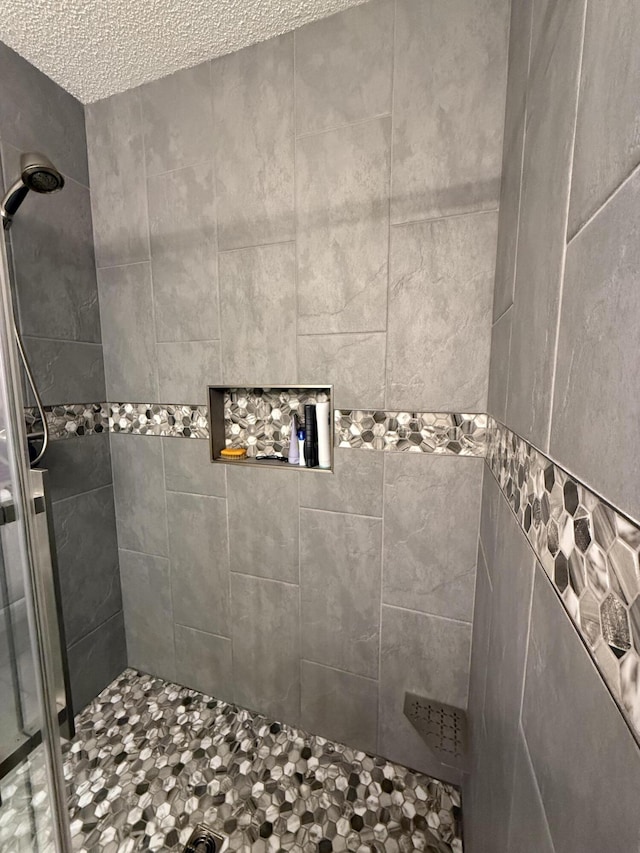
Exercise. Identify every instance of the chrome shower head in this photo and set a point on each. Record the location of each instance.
(37, 173)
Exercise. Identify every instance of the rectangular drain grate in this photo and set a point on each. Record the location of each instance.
(442, 727)
(204, 840)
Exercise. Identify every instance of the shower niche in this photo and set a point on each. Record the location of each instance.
(257, 422)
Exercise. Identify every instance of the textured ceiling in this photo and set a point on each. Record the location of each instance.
(94, 48)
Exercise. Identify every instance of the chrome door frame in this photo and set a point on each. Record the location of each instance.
(37, 595)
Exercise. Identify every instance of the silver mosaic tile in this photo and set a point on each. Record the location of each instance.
(159, 419)
(25, 815)
(70, 419)
(420, 432)
(150, 760)
(260, 419)
(590, 552)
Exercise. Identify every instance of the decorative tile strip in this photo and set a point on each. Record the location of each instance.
(70, 419)
(589, 551)
(260, 419)
(156, 419)
(420, 432)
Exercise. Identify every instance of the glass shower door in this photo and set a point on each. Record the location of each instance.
(33, 812)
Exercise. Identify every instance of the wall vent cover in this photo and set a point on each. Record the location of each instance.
(204, 840)
(442, 727)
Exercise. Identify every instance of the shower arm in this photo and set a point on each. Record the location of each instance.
(32, 384)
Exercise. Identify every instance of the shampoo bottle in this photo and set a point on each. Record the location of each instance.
(294, 455)
(324, 443)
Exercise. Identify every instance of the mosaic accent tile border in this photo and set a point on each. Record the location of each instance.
(76, 420)
(421, 432)
(260, 419)
(151, 759)
(158, 419)
(589, 551)
(70, 420)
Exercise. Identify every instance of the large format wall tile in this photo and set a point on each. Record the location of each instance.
(176, 119)
(448, 111)
(55, 276)
(356, 484)
(480, 662)
(38, 115)
(440, 292)
(96, 660)
(116, 167)
(340, 619)
(512, 577)
(508, 220)
(87, 552)
(138, 484)
(148, 613)
(263, 522)
(78, 466)
(128, 333)
(587, 739)
(551, 104)
(188, 468)
(254, 143)
(607, 142)
(266, 646)
(339, 705)
(186, 369)
(596, 349)
(344, 67)
(499, 366)
(431, 515)
(182, 225)
(65, 371)
(199, 561)
(489, 533)
(353, 364)
(512, 151)
(528, 829)
(342, 187)
(258, 315)
(203, 662)
(424, 655)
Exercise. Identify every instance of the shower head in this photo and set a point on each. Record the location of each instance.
(37, 173)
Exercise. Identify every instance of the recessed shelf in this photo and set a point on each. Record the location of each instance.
(258, 418)
(280, 465)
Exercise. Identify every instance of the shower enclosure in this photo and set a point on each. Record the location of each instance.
(34, 712)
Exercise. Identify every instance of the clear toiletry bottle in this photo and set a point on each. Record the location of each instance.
(301, 447)
(294, 456)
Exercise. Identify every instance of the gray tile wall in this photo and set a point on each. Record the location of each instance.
(544, 725)
(291, 188)
(563, 358)
(56, 295)
(562, 366)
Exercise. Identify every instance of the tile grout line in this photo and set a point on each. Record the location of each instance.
(424, 613)
(563, 263)
(338, 669)
(338, 127)
(479, 212)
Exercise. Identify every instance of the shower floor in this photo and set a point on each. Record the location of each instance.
(150, 760)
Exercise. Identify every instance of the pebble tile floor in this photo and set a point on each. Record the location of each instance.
(151, 759)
